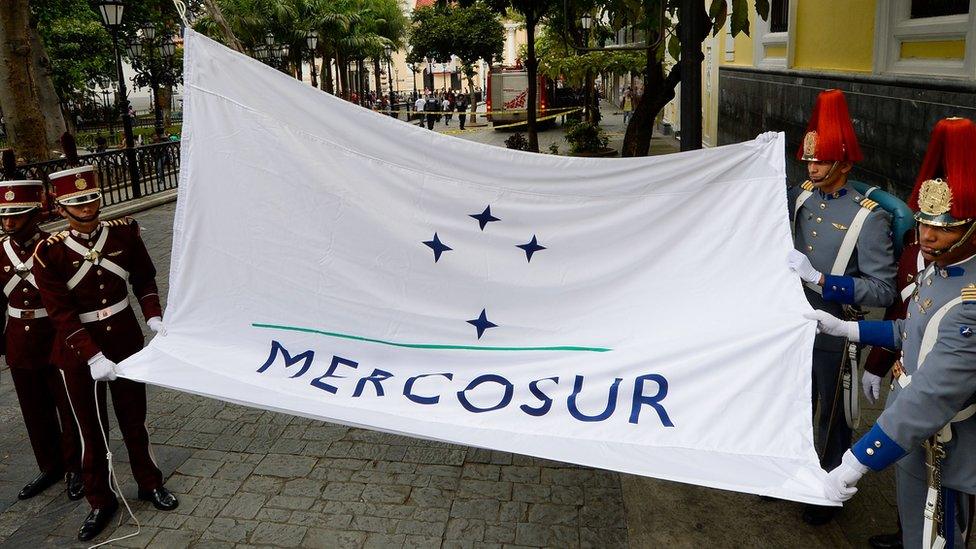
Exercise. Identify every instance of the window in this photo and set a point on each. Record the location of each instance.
(938, 8)
(779, 15)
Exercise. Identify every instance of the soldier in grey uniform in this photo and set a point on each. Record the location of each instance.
(845, 257)
(929, 423)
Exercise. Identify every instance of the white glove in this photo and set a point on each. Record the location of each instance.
(831, 325)
(799, 263)
(840, 484)
(156, 324)
(102, 369)
(872, 386)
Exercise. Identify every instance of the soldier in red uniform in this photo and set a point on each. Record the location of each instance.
(83, 274)
(27, 339)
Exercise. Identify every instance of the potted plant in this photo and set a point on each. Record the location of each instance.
(587, 139)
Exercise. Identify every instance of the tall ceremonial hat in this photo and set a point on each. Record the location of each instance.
(830, 134)
(17, 197)
(945, 189)
(75, 186)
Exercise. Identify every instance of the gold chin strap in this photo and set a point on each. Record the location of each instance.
(830, 172)
(960, 242)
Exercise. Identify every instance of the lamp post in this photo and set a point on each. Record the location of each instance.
(587, 21)
(111, 11)
(389, 76)
(312, 40)
(149, 34)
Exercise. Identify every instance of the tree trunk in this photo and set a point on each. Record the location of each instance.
(378, 79)
(531, 68)
(342, 69)
(474, 104)
(54, 119)
(19, 99)
(328, 84)
(658, 91)
(165, 104)
(218, 17)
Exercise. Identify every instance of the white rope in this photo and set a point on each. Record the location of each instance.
(181, 9)
(113, 481)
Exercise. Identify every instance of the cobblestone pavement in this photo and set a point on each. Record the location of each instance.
(247, 477)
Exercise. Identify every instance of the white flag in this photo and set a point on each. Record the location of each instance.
(629, 314)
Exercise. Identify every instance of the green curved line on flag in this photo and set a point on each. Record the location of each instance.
(568, 348)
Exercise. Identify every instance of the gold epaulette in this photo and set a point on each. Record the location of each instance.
(807, 186)
(969, 294)
(53, 239)
(120, 222)
(869, 204)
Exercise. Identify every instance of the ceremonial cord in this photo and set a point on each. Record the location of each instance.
(181, 10)
(113, 481)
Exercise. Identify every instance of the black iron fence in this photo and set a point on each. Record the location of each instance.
(158, 167)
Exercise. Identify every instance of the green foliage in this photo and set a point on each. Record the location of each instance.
(469, 32)
(585, 137)
(517, 141)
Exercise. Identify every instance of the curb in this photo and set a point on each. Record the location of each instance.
(119, 210)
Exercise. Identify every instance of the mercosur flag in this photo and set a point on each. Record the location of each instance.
(630, 314)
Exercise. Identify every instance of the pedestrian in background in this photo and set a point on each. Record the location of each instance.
(462, 107)
(446, 107)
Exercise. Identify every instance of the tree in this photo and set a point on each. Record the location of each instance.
(533, 11)
(19, 96)
(470, 33)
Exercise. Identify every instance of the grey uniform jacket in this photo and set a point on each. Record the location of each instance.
(819, 227)
(945, 383)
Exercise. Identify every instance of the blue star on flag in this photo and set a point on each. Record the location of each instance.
(484, 217)
(531, 247)
(482, 323)
(438, 247)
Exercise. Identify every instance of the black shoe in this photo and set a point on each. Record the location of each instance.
(886, 541)
(161, 498)
(76, 488)
(96, 521)
(40, 483)
(818, 515)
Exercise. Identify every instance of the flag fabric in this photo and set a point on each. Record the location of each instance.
(630, 314)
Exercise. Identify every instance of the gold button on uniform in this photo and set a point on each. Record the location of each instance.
(877, 444)
(814, 233)
(869, 451)
(819, 220)
(26, 328)
(809, 248)
(98, 272)
(104, 301)
(823, 206)
(101, 286)
(24, 290)
(108, 328)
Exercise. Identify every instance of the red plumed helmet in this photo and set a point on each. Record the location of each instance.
(945, 189)
(830, 133)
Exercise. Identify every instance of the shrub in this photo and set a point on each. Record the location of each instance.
(586, 137)
(518, 142)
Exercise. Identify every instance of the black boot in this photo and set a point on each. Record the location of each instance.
(161, 498)
(76, 488)
(40, 483)
(818, 515)
(96, 521)
(886, 541)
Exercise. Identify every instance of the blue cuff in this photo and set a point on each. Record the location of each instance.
(876, 449)
(880, 333)
(839, 289)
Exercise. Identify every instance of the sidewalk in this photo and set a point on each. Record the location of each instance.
(246, 477)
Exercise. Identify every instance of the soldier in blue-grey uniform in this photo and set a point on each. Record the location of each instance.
(929, 423)
(845, 257)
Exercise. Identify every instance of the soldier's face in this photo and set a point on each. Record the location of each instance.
(823, 173)
(82, 216)
(933, 239)
(13, 224)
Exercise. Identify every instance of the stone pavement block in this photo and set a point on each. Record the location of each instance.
(410, 479)
(385, 494)
(393, 467)
(531, 534)
(566, 495)
(287, 446)
(215, 487)
(146, 533)
(372, 476)
(431, 514)
(389, 510)
(565, 476)
(548, 513)
(173, 539)
(279, 465)
(500, 533)
(421, 454)
(465, 529)
(421, 528)
(599, 515)
(260, 484)
(209, 507)
(339, 539)
(230, 530)
(234, 471)
(291, 502)
(319, 520)
(379, 525)
(196, 467)
(384, 541)
(614, 537)
(303, 487)
(469, 488)
(522, 474)
(273, 515)
(278, 535)
(482, 455)
(448, 471)
(431, 497)
(421, 542)
(444, 483)
(481, 471)
(181, 484)
(196, 524)
(243, 506)
(513, 511)
(564, 536)
(485, 509)
(343, 491)
(531, 493)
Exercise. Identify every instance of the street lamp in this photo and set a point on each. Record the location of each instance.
(388, 50)
(312, 41)
(269, 39)
(168, 49)
(111, 11)
(587, 21)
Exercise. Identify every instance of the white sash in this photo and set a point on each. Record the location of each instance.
(15, 280)
(86, 265)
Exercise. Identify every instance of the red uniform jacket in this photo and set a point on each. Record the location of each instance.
(27, 331)
(82, 280)
(880, 360)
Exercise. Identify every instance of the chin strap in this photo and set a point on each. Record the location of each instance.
(965, 237)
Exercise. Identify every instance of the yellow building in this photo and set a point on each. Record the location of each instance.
(903, 65)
